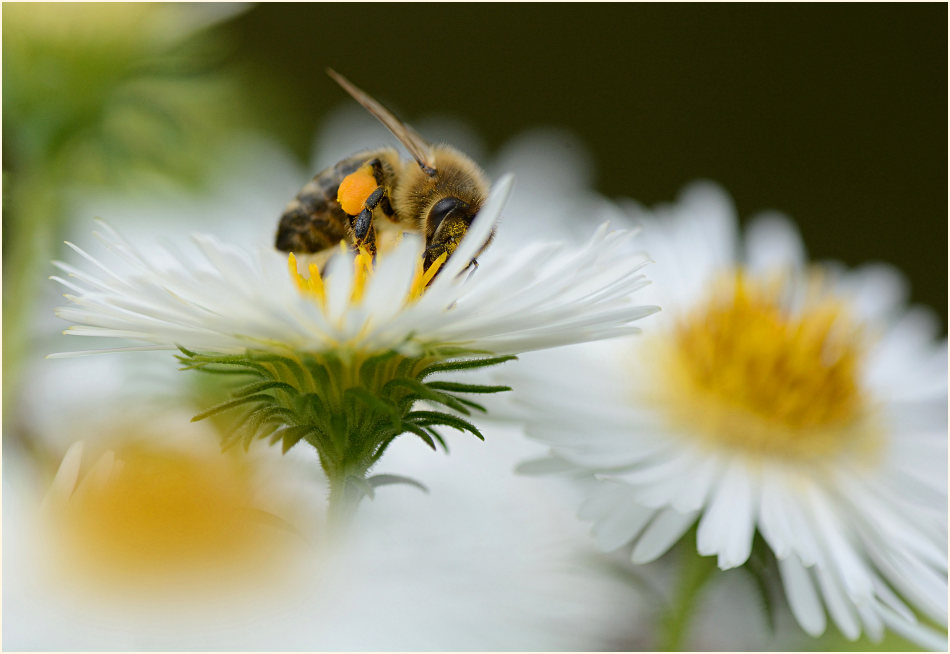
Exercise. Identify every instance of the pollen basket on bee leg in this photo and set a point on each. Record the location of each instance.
(355, 189)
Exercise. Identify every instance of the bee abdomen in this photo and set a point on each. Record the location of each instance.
(314, 220)
(305, 229)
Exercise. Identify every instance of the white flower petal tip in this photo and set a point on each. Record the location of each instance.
(666, 529)
(67, 475)
(773, 242)
(772, 397)
(545, 466)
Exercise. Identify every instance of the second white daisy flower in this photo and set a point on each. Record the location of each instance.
(803, 404)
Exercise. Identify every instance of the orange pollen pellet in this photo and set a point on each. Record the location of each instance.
(355, 188)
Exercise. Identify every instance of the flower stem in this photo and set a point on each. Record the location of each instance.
(343, 500)
(694, 572)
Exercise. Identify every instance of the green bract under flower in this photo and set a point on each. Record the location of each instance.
(348, 406)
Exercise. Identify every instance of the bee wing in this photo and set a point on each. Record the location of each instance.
(417, 146)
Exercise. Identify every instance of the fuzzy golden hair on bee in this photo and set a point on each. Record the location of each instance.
(437, 194)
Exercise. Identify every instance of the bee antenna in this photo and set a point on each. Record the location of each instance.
(417, 146)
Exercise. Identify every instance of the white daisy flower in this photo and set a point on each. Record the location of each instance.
(339, 358)
(803, 403)
(236, 300)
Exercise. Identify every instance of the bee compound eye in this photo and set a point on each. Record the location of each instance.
(441, 210)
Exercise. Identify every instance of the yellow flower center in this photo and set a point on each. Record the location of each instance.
(160, 518)
(315, 287)
(747, 371)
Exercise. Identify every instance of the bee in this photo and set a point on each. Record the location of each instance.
(438, 195)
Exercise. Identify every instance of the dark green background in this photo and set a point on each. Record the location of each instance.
(834, 114)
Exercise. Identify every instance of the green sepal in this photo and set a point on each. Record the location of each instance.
(456, 387)
(373, 402)
(348, 405)
(426, 418)
(418, 390)
(464, 364)
(421, 433)
(292, 435)
(385, 480)
(257, 387)
(472, 405)
(437, 436)
(362, 485)
(224, 406)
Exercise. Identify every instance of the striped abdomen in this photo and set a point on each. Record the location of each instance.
(314, 220)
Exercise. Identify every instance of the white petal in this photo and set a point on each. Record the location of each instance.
(873, 625)
(64, 482)
(840, 608)
(772, 523)
(389, 285)
(98, 476)
(918, 633)
(840, 553)
(702, 476)
(802, 596)
(620, 526)
(727, 526)
(876, 290)
(339, 284)
(772, 242)
(801, 533)
(663, 532)
(617, 517)
(545, 466)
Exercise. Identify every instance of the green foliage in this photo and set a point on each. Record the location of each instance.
(348, 406)
(102, 94)
(91, 92)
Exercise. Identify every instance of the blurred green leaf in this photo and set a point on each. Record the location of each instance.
(106, 95)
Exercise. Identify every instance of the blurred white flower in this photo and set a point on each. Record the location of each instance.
(174, 547)
(803, 403)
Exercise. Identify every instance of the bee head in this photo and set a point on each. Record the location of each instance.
(447, 222)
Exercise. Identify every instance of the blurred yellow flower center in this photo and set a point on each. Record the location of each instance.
(750, 372)
(363, 269)
(166, 517)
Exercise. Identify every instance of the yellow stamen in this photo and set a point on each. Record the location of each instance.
(158, 517)
(747, 371)
(422, 278)
(300, 282)
(363, 264)
(316, 284)
(363, 270)
(313, 286)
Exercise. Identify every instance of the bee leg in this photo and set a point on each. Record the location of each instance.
(369, 242)
(470, 269)
(365, 218)
(364, 221)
